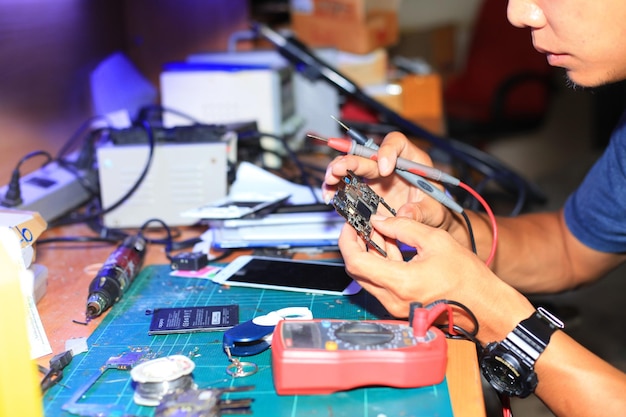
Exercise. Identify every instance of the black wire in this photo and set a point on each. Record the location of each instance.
(92, 189)
(464, 334)
(167, 243)
(142, 176)
(71, 141)
(292, 155)
(470, 231)
(146, 110)
(133, 188)
(13, 195)
(80, 239)
(32, 155)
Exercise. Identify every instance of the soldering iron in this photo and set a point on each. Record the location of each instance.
(116, 275)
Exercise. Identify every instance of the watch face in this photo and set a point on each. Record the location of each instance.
(507, 374)
(501, 373)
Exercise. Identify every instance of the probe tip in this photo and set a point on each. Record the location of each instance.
(340, 122)
(317, 137)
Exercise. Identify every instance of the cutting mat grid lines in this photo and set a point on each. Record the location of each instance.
(125, 329)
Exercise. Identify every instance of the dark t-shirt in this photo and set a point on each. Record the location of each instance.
(596, 212)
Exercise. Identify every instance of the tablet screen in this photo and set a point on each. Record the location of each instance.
(277, 273)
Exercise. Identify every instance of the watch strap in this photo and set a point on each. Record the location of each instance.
(531, 336)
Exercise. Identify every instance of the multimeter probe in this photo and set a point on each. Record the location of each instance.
(415, 174)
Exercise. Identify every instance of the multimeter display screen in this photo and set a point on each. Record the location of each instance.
(289, 274)
(305, 336)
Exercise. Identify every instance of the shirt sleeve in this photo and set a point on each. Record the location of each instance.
(596, 211)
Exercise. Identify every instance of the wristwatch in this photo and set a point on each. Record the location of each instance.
(509, 365)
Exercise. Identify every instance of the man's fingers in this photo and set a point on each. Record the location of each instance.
(403, 229)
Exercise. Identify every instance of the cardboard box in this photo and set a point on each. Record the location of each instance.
(417, 98)
(437, 45)
(357, 26)
(364, 69)
(422, 101)
(27, 225)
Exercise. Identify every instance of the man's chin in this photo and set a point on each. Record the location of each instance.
(570, 83)
(576, 80)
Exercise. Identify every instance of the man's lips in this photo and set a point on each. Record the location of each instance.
(555, 59)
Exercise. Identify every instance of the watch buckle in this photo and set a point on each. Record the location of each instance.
(551, 317)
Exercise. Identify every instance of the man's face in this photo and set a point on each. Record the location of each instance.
(586, 37)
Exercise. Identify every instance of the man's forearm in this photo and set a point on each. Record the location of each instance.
(572, 380)
(532, 253)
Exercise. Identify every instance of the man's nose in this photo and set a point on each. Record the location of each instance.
(525, 13)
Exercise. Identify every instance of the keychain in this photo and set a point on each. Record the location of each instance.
(254, 336)
(239, 369)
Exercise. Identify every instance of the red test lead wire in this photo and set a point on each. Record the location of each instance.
(492, 219)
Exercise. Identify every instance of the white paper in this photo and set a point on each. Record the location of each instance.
(251, 178)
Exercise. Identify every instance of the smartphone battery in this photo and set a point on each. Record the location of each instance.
(193, 319)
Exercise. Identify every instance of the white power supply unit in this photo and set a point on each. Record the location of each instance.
(221, 93)
(311, 102)
(217, 92)
(182, 176)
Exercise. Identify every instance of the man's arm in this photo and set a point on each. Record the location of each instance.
(575, 382)
(537, 253)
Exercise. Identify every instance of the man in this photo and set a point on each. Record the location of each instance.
(537, 252)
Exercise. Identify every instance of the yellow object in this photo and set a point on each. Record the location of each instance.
(20, 394)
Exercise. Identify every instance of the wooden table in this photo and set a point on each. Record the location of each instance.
(71, 267)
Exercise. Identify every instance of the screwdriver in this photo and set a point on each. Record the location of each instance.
(412, 172)
(116, 275)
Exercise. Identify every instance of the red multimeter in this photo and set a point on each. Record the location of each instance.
(324, 356)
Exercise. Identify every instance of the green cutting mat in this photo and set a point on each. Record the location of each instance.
(125, 329)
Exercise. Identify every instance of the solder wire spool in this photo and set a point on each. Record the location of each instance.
(161, 376)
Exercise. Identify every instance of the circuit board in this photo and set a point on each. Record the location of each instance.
(356, 202)
(124, 330)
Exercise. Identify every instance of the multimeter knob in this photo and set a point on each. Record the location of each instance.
(364, 333)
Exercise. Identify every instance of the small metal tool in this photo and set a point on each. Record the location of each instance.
(204, 403)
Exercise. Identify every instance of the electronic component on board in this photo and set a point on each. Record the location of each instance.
(356, 202)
